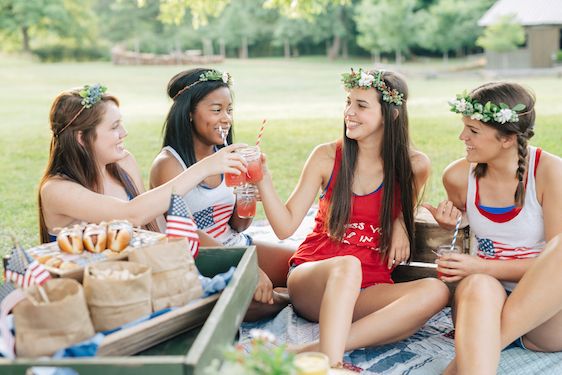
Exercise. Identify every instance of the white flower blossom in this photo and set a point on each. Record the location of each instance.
(366, 79)
(461, 105)
(261, 334)
(477, 116)
(225, 77)
(504, 115)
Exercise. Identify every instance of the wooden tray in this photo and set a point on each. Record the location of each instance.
(140, 238)
(178, 353)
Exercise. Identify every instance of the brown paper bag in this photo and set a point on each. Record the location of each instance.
(43, 328)
(113, 301)
(175, 279)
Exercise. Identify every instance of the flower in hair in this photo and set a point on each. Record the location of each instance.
(92, 94)
(209, 75)
(500, 113)
(368, 79)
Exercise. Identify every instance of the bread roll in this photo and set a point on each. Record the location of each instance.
(119, 233)
(95, 237)
(69, 239)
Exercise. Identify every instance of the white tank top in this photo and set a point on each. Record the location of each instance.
(212, 209)
(521, 237)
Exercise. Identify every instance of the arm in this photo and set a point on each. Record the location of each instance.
(285, 218)
(65, 198)
(549, 193)
(400, 244)
(455, 181)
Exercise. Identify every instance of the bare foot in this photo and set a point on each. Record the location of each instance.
(451, 368)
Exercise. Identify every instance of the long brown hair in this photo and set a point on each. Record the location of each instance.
(511, 94)
(74, 161)
(397, 169)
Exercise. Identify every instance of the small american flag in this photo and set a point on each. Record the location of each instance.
(23, 270)
(180, 224)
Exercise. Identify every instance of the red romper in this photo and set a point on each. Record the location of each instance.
(361, 238)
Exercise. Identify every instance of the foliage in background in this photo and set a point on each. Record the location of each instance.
(503, 36)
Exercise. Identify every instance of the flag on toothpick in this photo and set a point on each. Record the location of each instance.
(23, 270)
(179, 223)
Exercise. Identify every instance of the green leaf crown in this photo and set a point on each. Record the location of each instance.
(500, 113)
(209, 75)
(368, 79)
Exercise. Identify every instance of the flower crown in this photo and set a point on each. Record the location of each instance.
(209, 75)
(501, 113)
(90, 95)
(372, 79)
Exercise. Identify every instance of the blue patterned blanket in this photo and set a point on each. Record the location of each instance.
(427, 352)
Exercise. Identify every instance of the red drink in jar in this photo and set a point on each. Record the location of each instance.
(231, 179)
(252, 155)
(246, 201)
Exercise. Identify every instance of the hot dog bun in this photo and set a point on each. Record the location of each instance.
(95, 237)
(70, 239)
(119, 233)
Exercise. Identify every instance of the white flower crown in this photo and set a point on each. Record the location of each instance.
(501, 113)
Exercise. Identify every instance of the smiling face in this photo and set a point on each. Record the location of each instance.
(363, 114)
(108, 145)
(483, 143)
(213, 113)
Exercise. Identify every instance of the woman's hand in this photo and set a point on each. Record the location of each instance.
(264, 289)
(446, 214)
(399, 244)
(225, 161)
(454, 267)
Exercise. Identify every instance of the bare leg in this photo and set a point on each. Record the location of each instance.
(537, 297)
(326, 291)
(273, 259)
(479, 300)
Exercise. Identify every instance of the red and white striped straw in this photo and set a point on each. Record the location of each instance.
(261, 131)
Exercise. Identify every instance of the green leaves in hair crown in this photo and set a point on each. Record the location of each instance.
(500, 113)
(368, 79)
(92, 94)
(215, 75)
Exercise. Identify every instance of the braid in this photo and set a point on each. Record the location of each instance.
(521, 164)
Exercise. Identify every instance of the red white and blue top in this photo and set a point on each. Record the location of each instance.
(513, 233)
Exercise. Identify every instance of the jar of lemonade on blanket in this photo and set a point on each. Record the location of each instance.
(312, 363)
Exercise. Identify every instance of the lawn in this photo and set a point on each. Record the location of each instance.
(302, 100)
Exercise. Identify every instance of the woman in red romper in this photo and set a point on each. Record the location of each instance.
(341, 274)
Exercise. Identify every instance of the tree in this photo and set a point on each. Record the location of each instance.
(503, 36)
(27, 18)
(388, 25)
(173, 11)
(451, 24)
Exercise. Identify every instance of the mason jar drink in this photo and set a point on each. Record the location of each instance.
(246, 201)
(445, 250)
(252, 155)
(231, 179)
(312, 363)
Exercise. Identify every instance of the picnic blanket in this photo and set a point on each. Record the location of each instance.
(426, 352)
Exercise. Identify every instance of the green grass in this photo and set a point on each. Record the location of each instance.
(302, 99)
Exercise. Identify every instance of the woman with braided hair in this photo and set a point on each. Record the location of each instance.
(511, 195)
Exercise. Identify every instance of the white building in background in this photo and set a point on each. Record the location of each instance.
(542, 20)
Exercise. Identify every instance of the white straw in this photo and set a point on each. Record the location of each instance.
(456, 232)
(223, 135)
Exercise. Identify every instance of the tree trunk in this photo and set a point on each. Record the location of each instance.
(334, 50)
(207, 47)
(222, 47)
(286, 49)
(446, 58)
(398, 56)
(243, 53)
(345, 49)
(377, 56)
(25, 39)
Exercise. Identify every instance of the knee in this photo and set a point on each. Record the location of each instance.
(347, 271)
(436, 293)
(478, 287)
